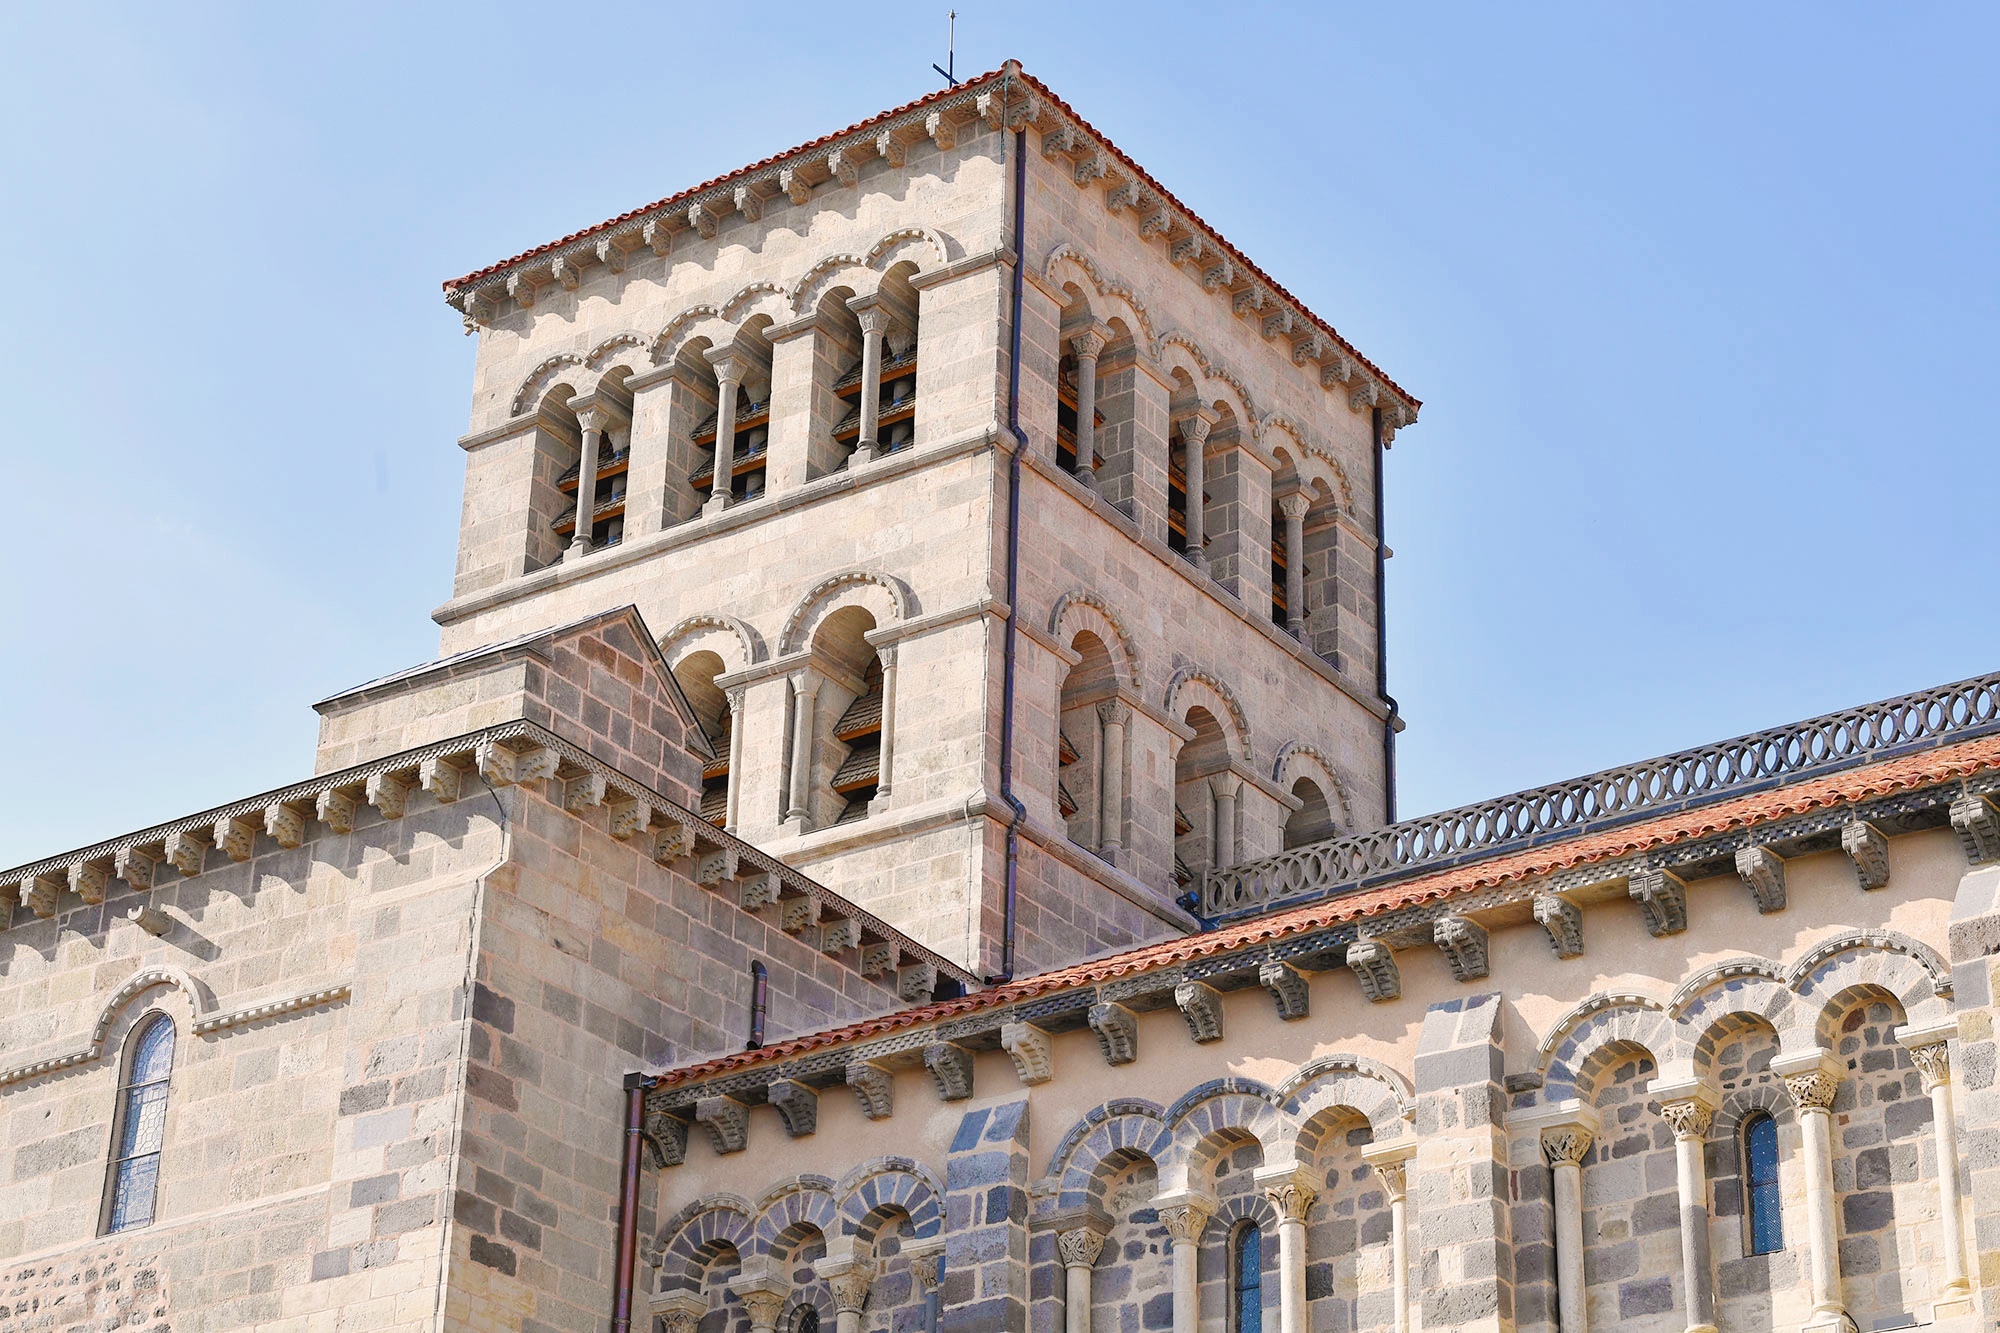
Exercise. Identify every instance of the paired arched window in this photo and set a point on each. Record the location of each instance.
(805, 1319)
(1246, 1279)
(142, 1126)
(1763, 1226)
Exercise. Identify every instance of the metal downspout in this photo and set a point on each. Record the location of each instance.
(1382, 631)
(1020, 812)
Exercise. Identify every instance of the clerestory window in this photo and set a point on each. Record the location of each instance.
(141, 1127)
(1760, 1184)
(1246, 1279)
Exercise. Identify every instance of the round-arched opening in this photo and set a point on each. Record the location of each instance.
(696, 675)
(1313, 820)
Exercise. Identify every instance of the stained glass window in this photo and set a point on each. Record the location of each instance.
(1760, 1153)
(1246, 1277)
(142, 1126)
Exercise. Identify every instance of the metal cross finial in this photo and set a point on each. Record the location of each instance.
(951, 49)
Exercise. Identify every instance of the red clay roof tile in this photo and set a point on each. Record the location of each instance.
(1861, 784)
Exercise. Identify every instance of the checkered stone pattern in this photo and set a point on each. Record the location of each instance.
(1349, 1283)
(1131, 1289)
(1884, 1173)
(1631, 1208)
(986, 1213)
(1753, 1290)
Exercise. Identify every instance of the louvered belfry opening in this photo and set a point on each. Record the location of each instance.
(696, 673)
(847, 754)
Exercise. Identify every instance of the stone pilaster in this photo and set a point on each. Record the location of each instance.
(985, 1286)
(1458, 1177)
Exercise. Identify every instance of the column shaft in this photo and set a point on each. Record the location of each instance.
(1812, 1089)
(1295, 570)
(586, 482)
(1223, 853)
(1934, 1060)
(873, 321)
(1086, 415)
(1399, 1257)
(1076, 1299)
(1194, 446)
(888, 750)
(1563, 1147)
(1184, 1223)
(735, 788)
(804, 693)
(725, 442)
(1689, 1119)
(1111, 780)
(1292, 1274)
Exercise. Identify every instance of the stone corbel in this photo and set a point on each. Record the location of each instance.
(718, 865)
(798, 915)
(1089, 167)
(1335, 370)
(1248, 301)
(942, 129)
(585, 791)
(502, 767)
(672, 841)
(88, 880)
(951, 1069)
(1563, 920)
(1365, 393)
(389, 794)
(797, 1104)
(1763, 873)
(1289, 988)
(1280, 324)
(1977, 824)
(565, 271)
(916, 982)
(1221, 276)
(1187, 249)
(186, 850)
(667, 1136)
(611, 254)
(1464, 944)
(1374, 966)
(701, 220)
(844, 165)
(236, 837)
(750, 203)
(1060, 141)
(1117, 1032)
(658, 234)
(629, 818)
(1126, 194)
(726, 1120)
(521, 287)
(880, 958)
(135, 868)
(1868, 849)
(874, 1087)
(1662, 896)
(39, 894)
(1158, 222)
(837, 937)
(149, 919)
(890, 146)
(285, 825)
(335, 809)
(1032, 1050)
(1201, 1006)
(794, 182)
(1309, 348)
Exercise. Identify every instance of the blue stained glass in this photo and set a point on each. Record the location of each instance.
(142, 1127)
(1760, 1149)
(1247, 1274)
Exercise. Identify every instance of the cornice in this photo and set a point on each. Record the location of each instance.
(1088, 158)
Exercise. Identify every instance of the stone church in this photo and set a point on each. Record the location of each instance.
(941, 871)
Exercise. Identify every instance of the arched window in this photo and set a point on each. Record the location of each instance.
(142, 1127)
(1764, 1227)
(1246, 1279)
(805, 1319)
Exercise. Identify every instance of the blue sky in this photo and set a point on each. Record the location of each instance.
(1701, 300)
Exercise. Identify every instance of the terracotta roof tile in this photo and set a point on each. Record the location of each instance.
(1861, 784)
(1031, 81)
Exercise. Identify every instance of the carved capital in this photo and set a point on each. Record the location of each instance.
(1688, 1117)
(1088, 345)
(1292, 1197)
(850, 1288)
(1933, 1061)
(1194, 430)
(1114, 712)
(1812, 1089)
(763, 1304)
(1185, 1221)
(1079, 1248)
(1565, 1144)
(1294, 504)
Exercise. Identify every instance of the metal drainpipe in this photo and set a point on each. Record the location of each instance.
(1020, 812)
(1382, 630)
(628, 1203)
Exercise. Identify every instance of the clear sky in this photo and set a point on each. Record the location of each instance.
(1701, 301)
